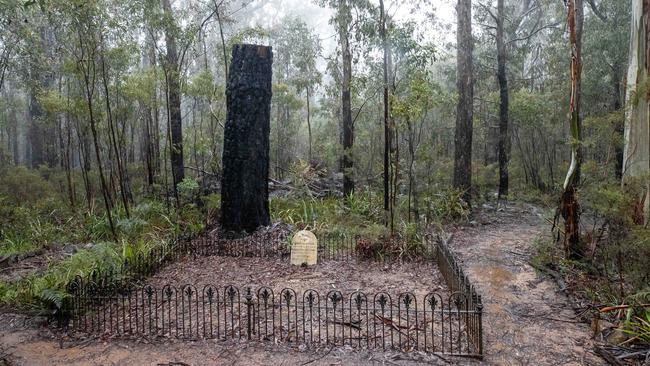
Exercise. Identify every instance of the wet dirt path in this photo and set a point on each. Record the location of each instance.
(527, 320)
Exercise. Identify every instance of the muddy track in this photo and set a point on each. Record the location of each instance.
(527, 321)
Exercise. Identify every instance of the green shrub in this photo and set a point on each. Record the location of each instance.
(21, 186)
(188, 189)
(447, 205)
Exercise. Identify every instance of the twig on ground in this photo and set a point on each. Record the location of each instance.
(318, 358)
(608, 356)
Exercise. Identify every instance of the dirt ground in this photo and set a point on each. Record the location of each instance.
(527, 321)
(347, 277)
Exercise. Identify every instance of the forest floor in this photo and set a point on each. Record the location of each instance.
(527, 320)
(419, 278)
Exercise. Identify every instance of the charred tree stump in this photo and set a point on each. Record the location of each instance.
(244, 188)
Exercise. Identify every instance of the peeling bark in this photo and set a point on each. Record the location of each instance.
(569, 207)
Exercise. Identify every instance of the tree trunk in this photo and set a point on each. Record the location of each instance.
(636, 157)
(569, 207)
(244, 189)
(35, 134)
(88, 66)
(112, 135)
(345, 17)
(504, 138)
(309, 123)
(619, 128)
(387, 125)
(464, 112)
(174, 107)
(223, 40)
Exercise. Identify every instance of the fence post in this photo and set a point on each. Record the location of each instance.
(479, 309)
(249, 311)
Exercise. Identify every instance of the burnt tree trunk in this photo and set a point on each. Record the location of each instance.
(464, 112)
(244, 188)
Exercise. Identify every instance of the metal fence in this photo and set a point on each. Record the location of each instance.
(113, 303)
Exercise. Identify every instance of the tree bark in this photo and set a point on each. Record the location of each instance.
(464, 112)
(636, 157)
(309, 123)
(387, 125)
(619, 127)
(569, 207)
(345, 17)
(504, 138)
(244, 189)
(174, 107)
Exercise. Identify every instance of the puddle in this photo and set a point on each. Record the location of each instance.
(496, 276)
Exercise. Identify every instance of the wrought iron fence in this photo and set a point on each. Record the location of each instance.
(457, 282)
(431, 323)
(117, 303)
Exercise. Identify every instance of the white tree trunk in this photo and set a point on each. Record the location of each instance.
(636, 157)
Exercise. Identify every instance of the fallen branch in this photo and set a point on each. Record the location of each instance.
(608, 309)
(608, 356)
(354, 324)
(201, 171)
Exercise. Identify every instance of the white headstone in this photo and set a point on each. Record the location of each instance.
(304, 248)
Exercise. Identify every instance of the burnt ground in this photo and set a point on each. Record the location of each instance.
(527, 319)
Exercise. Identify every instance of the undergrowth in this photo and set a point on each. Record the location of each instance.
(38, 218)
(615, 267)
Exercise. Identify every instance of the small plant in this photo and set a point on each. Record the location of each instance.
(188, 190)
(447, 205)
(639, 329)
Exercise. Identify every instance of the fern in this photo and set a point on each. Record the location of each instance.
(52, 298)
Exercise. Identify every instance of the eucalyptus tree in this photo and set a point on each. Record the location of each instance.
(462, 178)
(85, 22)
(344, 20)
(355, 23)
(637, 144)
(178, 38)
(173, 94)
(569, 208)
(504, 138)
(606, 29)
(296, 48)
(307, 76)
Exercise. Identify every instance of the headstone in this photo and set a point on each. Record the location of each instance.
(304, 248)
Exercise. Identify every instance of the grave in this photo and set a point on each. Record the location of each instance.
(304, 248)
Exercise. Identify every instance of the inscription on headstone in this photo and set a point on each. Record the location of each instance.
(304, 248)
